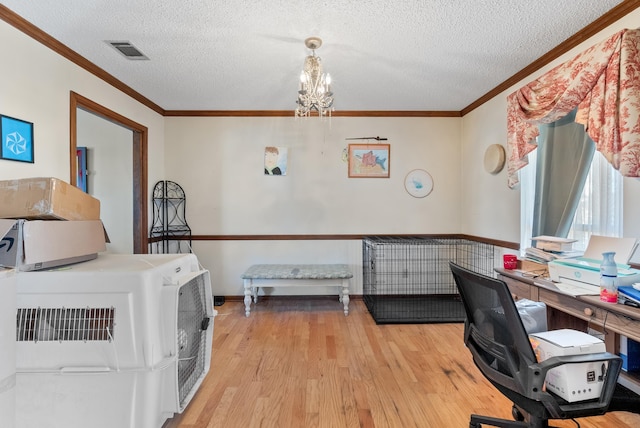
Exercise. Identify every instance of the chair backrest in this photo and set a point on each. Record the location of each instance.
(494, 332)
(500, 346)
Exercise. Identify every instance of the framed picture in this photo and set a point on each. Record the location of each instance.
(369, 160)
(17, 139)
(275, 160)
(81, 168)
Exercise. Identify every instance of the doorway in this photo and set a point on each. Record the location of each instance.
(139, 162)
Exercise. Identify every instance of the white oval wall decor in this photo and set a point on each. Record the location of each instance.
(418, 183)
(494, 158)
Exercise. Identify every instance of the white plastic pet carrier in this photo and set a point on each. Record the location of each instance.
(120, 341)
(7, 348)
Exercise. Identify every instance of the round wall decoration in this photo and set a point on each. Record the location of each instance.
(494, 158)
(418, 183)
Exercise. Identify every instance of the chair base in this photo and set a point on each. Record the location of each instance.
(477, 421)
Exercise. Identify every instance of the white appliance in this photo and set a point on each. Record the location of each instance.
(7, 347)
(573, 382)
(122, 341)
(585, 271)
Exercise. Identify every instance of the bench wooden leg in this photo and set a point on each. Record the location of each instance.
(247, 296)
(345, 296)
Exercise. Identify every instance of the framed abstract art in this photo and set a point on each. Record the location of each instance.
(17, 139)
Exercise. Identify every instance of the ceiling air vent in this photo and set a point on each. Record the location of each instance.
(127, 49)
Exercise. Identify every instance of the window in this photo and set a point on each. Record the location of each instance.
(599, 211)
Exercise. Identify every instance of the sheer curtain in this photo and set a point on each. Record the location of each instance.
(599, 211)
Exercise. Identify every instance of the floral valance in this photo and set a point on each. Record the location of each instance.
(603, 82)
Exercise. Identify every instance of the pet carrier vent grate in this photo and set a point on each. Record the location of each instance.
(64, 324)
(191, 335)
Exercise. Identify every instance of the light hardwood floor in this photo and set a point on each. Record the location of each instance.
(302, 363)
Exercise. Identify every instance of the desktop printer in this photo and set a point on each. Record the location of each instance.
(585, 270)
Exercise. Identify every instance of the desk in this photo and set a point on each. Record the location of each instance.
(289, 272)
(579, 313)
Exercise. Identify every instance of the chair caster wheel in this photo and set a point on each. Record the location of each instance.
(517, 414)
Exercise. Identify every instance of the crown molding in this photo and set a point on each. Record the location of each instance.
(37, 34)
(590, 30)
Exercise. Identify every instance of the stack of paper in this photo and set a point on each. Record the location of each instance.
(539, 256)
(549, 248)
(543, 256)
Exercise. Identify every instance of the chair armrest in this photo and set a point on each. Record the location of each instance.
(558, 407)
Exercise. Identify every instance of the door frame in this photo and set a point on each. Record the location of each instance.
(139, 146)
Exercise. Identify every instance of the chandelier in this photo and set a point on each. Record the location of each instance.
(315, 87)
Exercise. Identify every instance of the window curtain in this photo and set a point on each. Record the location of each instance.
(603, 82)
(601, 207)
(564, 159)
(599, 211)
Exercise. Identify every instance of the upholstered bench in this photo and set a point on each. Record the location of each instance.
(287, 272)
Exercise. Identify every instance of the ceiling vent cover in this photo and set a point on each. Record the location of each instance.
(127, 50)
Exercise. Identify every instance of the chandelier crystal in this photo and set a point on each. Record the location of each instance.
(314, 92)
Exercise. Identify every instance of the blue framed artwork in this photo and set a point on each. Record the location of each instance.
(17, 139)
(81, 168)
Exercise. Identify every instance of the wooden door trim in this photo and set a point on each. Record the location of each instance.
(140, 138)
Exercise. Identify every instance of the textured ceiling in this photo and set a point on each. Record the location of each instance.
(433, 55)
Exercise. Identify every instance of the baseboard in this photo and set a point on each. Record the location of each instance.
(271, 297)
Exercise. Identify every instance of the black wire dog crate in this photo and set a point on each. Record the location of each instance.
(408, 279)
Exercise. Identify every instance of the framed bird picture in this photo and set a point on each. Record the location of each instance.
(369, 160)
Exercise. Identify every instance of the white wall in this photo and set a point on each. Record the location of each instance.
(227, 260)
(219, 163)
(110, 176)
(35, 87)
(491, 209)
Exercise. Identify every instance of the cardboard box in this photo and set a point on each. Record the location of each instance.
(573, 382)
(42, 244)
(46, 198)
(534, 267)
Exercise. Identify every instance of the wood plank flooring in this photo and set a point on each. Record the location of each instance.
(301, 363)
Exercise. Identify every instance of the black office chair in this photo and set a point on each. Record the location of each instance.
(500, 346)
